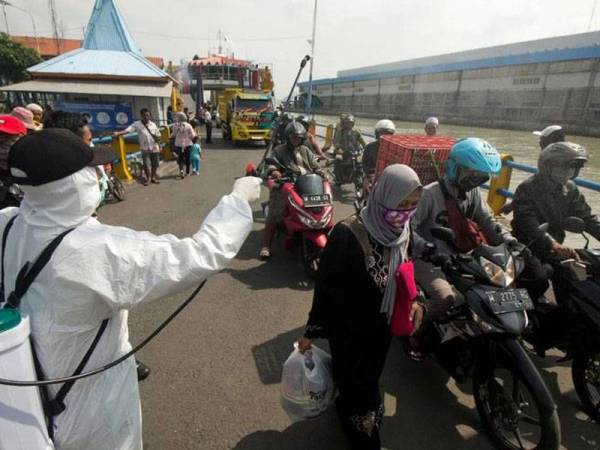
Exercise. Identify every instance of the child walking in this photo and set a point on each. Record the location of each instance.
(196, 155)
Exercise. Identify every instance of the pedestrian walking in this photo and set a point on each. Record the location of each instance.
(196, 155)
(184, 133)
(355, 295)
(148, 139)
(209, 124)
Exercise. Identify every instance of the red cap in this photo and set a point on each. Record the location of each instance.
(11, 125)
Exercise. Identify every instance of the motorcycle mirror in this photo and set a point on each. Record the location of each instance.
(443, 234)
(574, 225)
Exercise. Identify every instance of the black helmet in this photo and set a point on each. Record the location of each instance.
(561, 154)
(295, 128)
(303, 120)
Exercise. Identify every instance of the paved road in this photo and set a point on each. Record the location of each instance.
(216, 368)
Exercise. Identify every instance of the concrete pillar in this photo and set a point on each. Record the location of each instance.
(590, 91)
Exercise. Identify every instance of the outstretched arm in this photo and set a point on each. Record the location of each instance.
(131, 267)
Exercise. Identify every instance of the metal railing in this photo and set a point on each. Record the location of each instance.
(499, 188)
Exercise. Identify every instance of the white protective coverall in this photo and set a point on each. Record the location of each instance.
(99, 272)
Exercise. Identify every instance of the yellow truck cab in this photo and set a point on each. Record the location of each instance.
(248, 115)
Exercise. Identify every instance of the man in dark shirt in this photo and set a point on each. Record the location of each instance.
(383, 127)
(293, 157)
(551, 196)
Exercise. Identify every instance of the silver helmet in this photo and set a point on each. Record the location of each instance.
(561, 154)
(295, 129)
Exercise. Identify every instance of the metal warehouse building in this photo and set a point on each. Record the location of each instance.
(524, 86)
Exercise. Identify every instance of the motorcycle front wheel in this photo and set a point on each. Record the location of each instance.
(586, 378)
(311, 256)
(511, 411)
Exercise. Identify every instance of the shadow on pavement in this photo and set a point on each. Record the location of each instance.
(422, 412)
(270, 356)
(323, 433)
(344, 194)
(283, 271)
(578, 430)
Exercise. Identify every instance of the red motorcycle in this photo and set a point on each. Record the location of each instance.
(309, 216)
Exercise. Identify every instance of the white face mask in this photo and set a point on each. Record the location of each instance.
(64, 203)
(88, 187)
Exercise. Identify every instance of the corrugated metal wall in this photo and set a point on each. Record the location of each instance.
(519, 96)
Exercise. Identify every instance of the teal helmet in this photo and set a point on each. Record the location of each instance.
(475, 154)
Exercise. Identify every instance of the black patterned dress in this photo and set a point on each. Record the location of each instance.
(347, 298)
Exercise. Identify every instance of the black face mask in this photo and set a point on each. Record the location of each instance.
(469, 180)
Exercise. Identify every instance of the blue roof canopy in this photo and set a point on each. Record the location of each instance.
(108, 51)
(106, 29)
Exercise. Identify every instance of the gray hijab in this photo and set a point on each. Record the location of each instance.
(395, 184)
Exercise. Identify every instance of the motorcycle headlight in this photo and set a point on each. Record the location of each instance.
(496, 274)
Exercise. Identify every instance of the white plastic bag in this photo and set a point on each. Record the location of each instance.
(307, 387)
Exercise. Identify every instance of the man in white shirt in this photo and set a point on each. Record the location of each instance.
(148, 138)
(209, 125)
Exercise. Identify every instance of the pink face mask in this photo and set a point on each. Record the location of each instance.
(397, 218)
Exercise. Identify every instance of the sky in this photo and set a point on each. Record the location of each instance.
(350, 33)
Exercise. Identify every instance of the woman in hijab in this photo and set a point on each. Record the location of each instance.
(355, 295)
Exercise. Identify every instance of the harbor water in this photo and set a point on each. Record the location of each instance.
(523, 146)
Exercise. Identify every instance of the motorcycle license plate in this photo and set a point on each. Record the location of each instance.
(511, 300)
(312, 201)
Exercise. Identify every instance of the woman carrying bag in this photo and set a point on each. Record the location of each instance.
(183, 134)
(364, 294)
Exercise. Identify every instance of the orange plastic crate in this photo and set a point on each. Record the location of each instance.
(427, 155)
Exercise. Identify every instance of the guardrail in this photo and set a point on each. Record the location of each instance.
(128, 150)
(499, 187)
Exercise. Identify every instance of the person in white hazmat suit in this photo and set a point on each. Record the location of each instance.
(98, 272)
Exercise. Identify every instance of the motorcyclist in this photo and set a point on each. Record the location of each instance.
(310, 141)
(550, 134)
(383, 127)
(431, 126)
(295, 157)
(284, 120)
(337, 130)
(455, 202)
(347, 141)
(550, 196)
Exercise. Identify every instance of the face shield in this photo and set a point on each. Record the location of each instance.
(469, 179)
(562, 173)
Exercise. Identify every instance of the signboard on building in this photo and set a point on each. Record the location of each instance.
(101, 116)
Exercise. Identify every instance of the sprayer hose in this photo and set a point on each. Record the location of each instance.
(116, 361)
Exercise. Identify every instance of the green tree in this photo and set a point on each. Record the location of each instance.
(14, 59)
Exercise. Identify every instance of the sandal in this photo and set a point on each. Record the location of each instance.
(265, 253)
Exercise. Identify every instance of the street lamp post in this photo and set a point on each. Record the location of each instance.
(308, 106)
(4, 4)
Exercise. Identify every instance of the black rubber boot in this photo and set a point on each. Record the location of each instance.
(143, 371)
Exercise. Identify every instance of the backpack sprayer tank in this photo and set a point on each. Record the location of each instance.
(22, 420)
